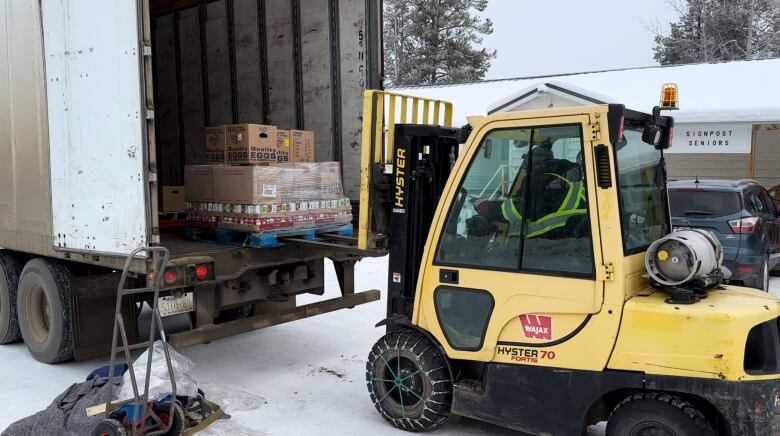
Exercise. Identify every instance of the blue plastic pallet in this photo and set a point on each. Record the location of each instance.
(270, 238)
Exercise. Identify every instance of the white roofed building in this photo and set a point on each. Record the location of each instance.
(728, 125)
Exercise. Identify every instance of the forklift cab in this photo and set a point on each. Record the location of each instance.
(517, 291)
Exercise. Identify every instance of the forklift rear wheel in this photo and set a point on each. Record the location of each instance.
(409, 381)
(109, 427)
(9, 281)
(657, 413)
(44, 310)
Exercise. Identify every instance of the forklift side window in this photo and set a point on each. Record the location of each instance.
(642, 189)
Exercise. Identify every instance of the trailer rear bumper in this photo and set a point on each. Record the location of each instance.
(212, 332)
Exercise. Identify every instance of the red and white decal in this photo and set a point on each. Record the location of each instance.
(537, 326)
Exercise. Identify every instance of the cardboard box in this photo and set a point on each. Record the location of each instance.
(301, 146)
(283, 146)
(253, 184)
(215, 144)
(251, 144)
(199, 182)
(173, 199)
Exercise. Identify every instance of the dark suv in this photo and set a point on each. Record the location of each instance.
(743, 217)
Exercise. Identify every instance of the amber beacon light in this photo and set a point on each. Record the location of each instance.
(669, 97)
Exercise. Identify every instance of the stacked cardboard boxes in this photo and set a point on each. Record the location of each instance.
(265, 182)
(257, 144)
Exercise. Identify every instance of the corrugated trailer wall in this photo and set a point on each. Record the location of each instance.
(25, 198)
(292, 63)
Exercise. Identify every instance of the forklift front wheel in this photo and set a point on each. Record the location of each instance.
(409, 381)
(657, 413)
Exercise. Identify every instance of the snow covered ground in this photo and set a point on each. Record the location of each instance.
(306, 377)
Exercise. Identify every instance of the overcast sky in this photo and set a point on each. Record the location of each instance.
(535, 37)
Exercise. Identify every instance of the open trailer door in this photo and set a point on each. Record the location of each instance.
(97, 123)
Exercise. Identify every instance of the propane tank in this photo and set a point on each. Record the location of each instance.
(683, 257)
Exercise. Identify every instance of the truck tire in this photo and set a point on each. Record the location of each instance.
(657, 413)
(44, 310)
(409, 381)
(9, 281)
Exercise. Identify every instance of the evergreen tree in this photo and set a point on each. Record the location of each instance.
(721, 30)
(434, 41)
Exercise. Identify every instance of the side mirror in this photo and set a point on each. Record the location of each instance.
(652, 135)
(488, 149)
(657, 136)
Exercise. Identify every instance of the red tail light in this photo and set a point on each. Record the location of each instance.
(744, 269)
(744, 225)
(171, 276)
(202, 272)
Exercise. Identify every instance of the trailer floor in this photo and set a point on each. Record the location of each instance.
(179, 246)
(305, 377)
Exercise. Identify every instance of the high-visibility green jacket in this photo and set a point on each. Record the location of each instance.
(570, 206)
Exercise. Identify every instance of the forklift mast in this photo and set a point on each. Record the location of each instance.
(423, 157)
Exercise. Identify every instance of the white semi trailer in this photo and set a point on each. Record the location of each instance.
(103, 102)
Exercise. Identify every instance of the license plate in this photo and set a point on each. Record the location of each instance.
(176, 304)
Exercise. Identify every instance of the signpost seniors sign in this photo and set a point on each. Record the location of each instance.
(712, 138)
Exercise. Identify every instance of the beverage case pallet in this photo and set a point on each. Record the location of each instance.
(266, 238)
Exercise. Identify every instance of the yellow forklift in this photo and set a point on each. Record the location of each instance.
(535, 281)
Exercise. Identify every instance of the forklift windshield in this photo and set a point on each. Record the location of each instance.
(641, 174)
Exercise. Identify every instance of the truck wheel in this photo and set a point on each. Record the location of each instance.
(657, 413)
(44, 310)
(9, 281)
(409, 381)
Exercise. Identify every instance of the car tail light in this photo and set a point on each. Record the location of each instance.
(202, 272)
(171, 276)
(744, 269)
(744, 225)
